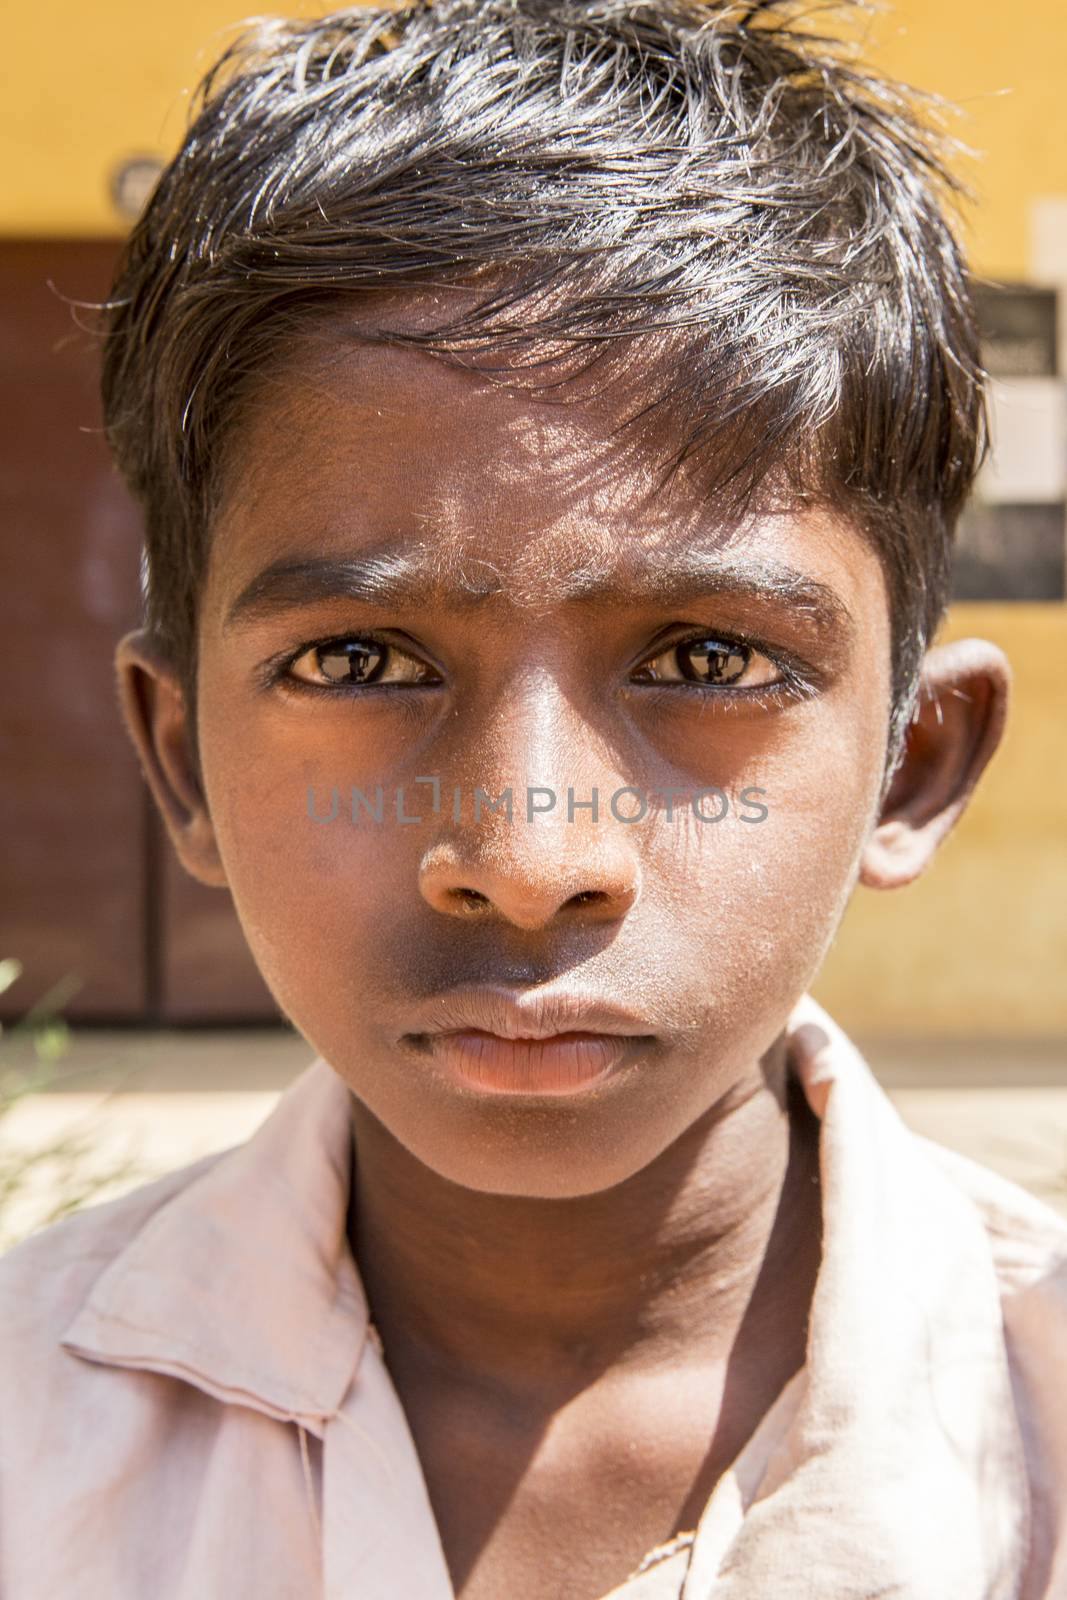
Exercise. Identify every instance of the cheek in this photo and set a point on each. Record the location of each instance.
(758, 902)
(309, 887)
(747, 910)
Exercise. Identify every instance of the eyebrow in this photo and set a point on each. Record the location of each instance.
(388, 579)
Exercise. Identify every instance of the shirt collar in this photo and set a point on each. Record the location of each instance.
(901, 1456)
(243, 1283)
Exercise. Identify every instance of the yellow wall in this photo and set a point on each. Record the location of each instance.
(88, 85)
(980, 945)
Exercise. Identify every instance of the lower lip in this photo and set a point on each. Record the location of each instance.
(566, 1063)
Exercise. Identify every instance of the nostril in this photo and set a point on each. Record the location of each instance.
(469, 897)
(521, 896)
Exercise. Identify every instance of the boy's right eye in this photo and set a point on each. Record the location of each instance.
(355, 660)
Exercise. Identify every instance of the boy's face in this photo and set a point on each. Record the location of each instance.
(548, 586)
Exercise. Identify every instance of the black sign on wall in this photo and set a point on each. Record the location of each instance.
(1012, 539)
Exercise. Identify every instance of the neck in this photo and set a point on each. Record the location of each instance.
(535, 1298)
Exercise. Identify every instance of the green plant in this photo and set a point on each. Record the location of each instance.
(41, 1183)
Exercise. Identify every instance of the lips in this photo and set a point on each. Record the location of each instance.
(564, 1064)
(546, 1042)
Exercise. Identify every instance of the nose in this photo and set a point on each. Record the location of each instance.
(571, 859)
(528, 889)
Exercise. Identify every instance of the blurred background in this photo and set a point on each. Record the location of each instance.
(138, 1034)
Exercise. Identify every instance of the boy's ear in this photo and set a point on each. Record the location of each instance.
(154, 709)
(958, 723)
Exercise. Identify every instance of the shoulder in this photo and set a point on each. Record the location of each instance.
(1027, 1237)
(1028, 1250)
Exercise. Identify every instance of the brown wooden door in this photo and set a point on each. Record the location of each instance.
(89, 889)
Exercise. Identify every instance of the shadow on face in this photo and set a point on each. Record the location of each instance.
(424, 588)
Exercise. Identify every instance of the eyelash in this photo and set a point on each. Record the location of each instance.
(799, 681)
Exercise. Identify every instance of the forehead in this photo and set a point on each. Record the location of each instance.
(363, 431)
(470, 484)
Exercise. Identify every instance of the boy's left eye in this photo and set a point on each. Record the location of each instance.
(711, 661)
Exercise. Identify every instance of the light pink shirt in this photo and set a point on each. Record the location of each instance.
(193, 1403)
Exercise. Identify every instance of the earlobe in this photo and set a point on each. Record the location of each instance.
(154, 710)
(958, 724)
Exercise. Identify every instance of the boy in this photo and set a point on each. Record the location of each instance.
(551, 422)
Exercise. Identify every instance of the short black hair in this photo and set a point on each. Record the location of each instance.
(714, 180)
